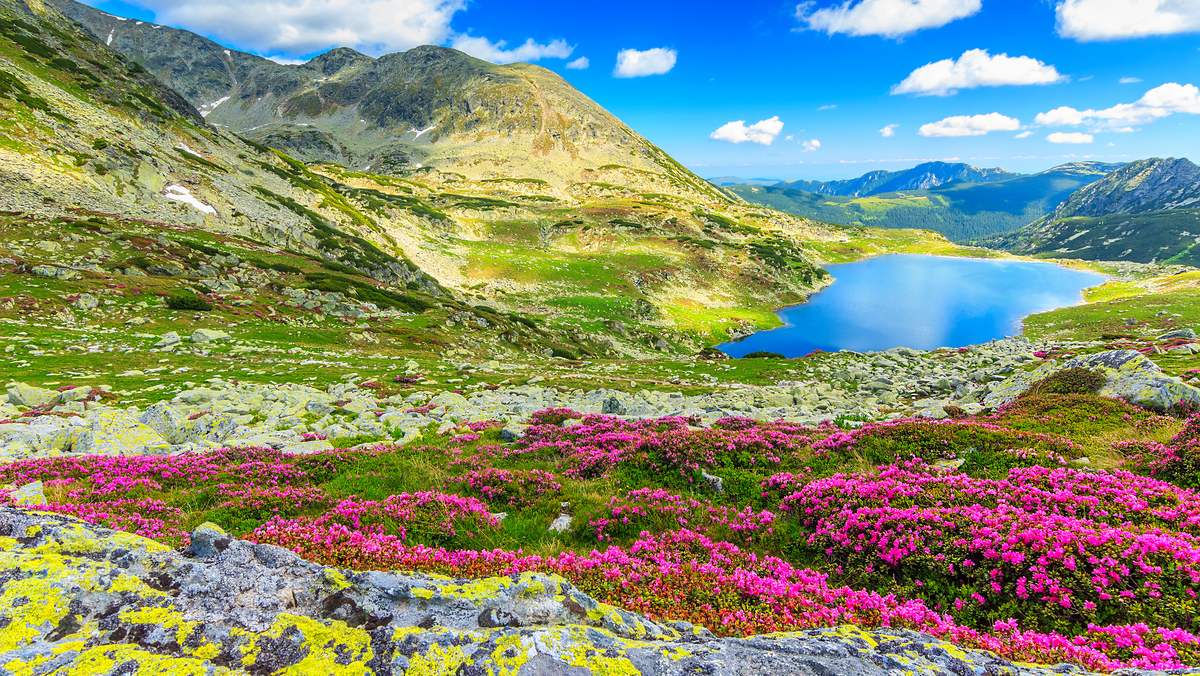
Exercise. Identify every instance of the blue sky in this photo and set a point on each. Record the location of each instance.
(826, 70)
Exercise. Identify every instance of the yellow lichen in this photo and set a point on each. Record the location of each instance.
(102, 659)
(322, 637)
(40, 611)
(438, 661)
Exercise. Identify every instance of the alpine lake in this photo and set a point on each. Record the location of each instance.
(918, 301)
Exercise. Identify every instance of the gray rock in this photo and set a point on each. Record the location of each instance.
(1131, 376)
(613, 406)
(208, 335)
(208, 541)
(169, 338)
(512, 432)
(307, 447)
(86, 301)
(21, 394)
(28, 495)
(1181, 333)
(561, 523)
(264, 608)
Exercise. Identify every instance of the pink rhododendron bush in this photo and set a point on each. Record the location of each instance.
(1060, 528)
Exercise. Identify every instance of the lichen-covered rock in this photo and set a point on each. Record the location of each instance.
(79, 599)
(1131, 376)
(208, 335)
(21, 394)
(178, 427)
(115, 432)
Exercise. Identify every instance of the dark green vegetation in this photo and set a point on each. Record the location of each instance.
(188, 301)
(960, 210)
(1142, 212)
(1068, 381)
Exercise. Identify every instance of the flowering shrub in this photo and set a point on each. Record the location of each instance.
(513, 488)
(1177, 460)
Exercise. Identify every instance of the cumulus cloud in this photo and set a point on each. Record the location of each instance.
(1089, 20)
(634, 63)
(579, 64)
(762, 132)
(1159, 102)
(482, 48)
(970, 125)
(976, 68)
(888, 131)
(809, 146)
(1024, 134)
(1129, 80)
(283, 60)
(1069, 137)
(297, 27)
(888, 18)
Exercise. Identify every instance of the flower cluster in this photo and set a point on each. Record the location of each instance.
(518, 488)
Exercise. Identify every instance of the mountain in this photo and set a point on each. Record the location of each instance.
(1145, 211)
(613, 259)
(957, 209)
(428, 106)
(736, 180)
(921, 177)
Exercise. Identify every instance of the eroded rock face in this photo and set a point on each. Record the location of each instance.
(72, 594)
(1131, 376)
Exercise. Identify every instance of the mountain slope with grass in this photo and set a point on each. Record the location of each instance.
(1146, 211)
(960, 210)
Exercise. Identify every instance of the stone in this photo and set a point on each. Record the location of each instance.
(86, 301)
(20, 394)
(208, 335)
(1189, 334)
(613, 406)
(177, 427)
(133, 272)
(715, 483)
(165, 269)
(561, 523)
(116, 432)
(48, 246)
(307, 447)
(28, 495)
(208, 540)
(1131, 376)
(75, 394)
(169, 338)
(512, 433)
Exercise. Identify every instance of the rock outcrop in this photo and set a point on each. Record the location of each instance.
(106, 602)
(1131, 376)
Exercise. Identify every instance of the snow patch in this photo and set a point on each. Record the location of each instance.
(119, 18)
(183, 146)
(227, 53)
(182, 194)
(110, 34)
(418, 133)
(209, 107)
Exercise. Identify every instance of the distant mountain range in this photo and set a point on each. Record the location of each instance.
(1148, 210)
(737, 180)
(992, 201)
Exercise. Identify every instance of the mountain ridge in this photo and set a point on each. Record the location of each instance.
(920, 177)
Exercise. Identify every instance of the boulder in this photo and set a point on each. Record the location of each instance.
(20, 394)
(28, 495)
(115, 432)
(177, 426)
(1181, 333)
(1131, 376)
(208, 335)
(307, 447)
(208, 541)
(86, 301)
(75, 394)
(168, 338)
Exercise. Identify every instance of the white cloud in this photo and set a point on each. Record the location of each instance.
(828, 107)
(482, 48)
(976, 68)
(579, 64)
(1088, 20)
(1159, 102)
(789, 138)
(286, 61)
(1129, 80)
(762, 132)
(809, 146)
(297, 27)
(1024, 134)
(889, 18)
(1069, 137)
(888, 131)
(634, 63)
(970, 125)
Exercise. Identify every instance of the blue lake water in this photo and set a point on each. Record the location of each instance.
(922, 302)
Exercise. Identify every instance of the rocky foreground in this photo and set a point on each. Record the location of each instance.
(95, 601)
(301, 419)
